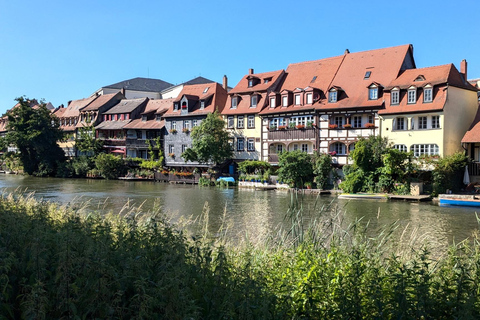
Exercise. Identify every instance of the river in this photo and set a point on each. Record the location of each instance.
(249, 213)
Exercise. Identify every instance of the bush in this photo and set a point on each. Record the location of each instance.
(204, 182)
(110, 166)
(295, 168)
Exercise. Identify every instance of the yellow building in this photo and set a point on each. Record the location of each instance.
(429, 110)
(241, 112)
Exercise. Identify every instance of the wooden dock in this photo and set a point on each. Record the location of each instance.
(410, 198)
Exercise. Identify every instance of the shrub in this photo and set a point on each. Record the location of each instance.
(109, 165)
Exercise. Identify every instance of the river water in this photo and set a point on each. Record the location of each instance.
(249, 213)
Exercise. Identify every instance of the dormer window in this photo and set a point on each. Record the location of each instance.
(267, 80)
(309, 98)
(175, 106)
(313, 79)
(234, 102)
(272, 102)
(373, 93)
(253, 101)
(332, 96)
(395, 96)
(250, 83)
(159, 117)
(297, 100)
(427, 94)
(420, 78)
(412, 95)
(202, 104)
(184, 105)
(144, 118)
(284, 101)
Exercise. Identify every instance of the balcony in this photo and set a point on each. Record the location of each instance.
(137, 143)
(474, 169)
(114, 142)
(292, 134)
(273, 158)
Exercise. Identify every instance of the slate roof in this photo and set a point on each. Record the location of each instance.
(198, 80)
(126, 106)
(141, 84)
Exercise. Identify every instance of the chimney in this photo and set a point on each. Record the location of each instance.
(346, 51)
(123, 91)
(463, 69)
(225, 82)
(69, 102)
(250, 71)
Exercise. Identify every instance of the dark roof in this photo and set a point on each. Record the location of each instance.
(141, 84)
(127, 106)
(198, 80)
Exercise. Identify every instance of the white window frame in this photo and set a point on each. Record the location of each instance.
(174, 125)
(297, 100)
(400, 147)
(309, 98)
(272, 103)
(435, 122)
(284, 101)
(338, 147)
(240, 144)
(240, 122)
(425, 149)
(332, 96)
(428, 94)
(373, 93)
(194, 123)
(395, 97)
(230, 122)
(253, 101)
(357, 122)
(250, 144)
(339, 121)
(171, 148)
(422, 123)
(412, 96)
(234, 102)
(305, 147)
(251, 122)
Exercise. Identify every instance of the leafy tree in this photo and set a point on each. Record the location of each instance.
(252, 166)
(87, 143)
(35, 132)
(322, 168)
(368, 153)
(448, 172)
(109, 165)
(295, 167)
(210, 141)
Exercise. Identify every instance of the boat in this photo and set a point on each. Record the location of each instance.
(370, 196)
(458, 200)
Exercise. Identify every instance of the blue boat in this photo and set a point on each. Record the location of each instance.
(464, 201)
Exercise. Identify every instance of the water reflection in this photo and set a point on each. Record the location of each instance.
(255, 214)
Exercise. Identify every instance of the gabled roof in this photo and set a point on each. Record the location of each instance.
(141, 84)
(74, 107)
(102, 100)
(126, 106)
(156, 107)
(197, 92)
(242, 85)
(159, 106)
(473, 134)
(433, 75)
(198, 80)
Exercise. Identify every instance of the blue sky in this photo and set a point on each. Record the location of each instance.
(65, 50)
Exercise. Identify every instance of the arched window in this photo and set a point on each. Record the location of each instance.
(337, 148)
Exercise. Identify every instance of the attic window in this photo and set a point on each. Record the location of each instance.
(144, 118)
(253, 101)
(250, 83)
(332, 96)
(314, 78)
(234, 102)
(267, 80)
(206, 89)
(367, 75)
(373, 93)
(202, 104)
(427, 94)
(420, 78)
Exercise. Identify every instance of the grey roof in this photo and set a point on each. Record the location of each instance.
(113, 125)
(141, 84)
(198, 80)
(126, 106)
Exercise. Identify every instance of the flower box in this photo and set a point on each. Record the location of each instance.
(282, 127)
(369, 125)
(171, 155)
(332, 126)
(184, 107)
(272, 128)
(173, 131)
(300, 126)
(185, 130)
(333, 153)
(347, 126)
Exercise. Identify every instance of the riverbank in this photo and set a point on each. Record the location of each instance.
(58, 262)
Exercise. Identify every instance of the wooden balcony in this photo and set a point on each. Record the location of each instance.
(137, 143)
(474, 169)
(114, 142)
(292, 134)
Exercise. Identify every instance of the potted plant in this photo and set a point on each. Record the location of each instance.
(291, 125)
(272, 128)
(347, 126)
(171, 155)
(282, 127)
(309, 124)
(332, 126)
(300, 126)
(185, 130)
(369, 125)
(173, 131)
(308, 184)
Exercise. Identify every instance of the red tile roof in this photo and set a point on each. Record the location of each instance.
(198, 92)
(149, 124)
(159, 106)
(102, 100)
(74, 107)
(242, 86)
(473, 134)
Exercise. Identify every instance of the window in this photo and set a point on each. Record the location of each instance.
(400, 147)
(202, 104)
(332, 96)
(240, 121)
(158, 117)
(301, 120)
(351, 147)
(174, 125)
(171, 148)
(338, 121)
(435, 122)
(186, 124)
(272, 103)
(304, 147)
(373, 93)
(422, 122)
(206, 89)
(313, 79)
(399, 124)
(250, 82)
(412, 95)
(251, 122)
(266, 81)
(367, 75)
(251, 144)
(184, 147)
(427, 95)
(279, 148)
(285, 101)
(139, 134)
(337, 147)
(195, 123)
(175, 106)
(297, 99)
(357, 121)
(309, 98)
(253, 101)
(371, 119)
(230, 122)
(234, 102)
(240, 144)
(395, 97)
(275, 122)
(295, 147)
(424, 149)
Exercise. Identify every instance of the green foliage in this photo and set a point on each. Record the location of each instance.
(253, 166)
(35, 132)
(151, 164)
(155, 149)
(210, 141)
(87, 143)
(204, 182)
(448, 172)
(110, 166)
(322, 169)
(368, 153)
(295, 168)
(354, 181)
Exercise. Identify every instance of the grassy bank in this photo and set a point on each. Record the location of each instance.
(56, 262)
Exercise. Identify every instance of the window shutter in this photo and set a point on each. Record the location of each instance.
(394, 124)
(413, 124)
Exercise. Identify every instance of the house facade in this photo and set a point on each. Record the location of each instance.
(187, 111)
(112, 128)
(242, 112)
(429, 110)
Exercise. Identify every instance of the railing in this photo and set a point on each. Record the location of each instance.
(137, 143)
(474, 169)
(114, 142)
(193, 179)
(292, 134)
(273, 158)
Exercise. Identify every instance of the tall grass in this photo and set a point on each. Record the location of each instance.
(58, 262)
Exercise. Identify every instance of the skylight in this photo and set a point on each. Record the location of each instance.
(314, 78)
(206, 89)
(367, 74)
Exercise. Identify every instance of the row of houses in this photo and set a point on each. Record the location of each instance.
(324, 105)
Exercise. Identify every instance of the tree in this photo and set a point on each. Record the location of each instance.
(87, 143)
(210, 141)
(295, 168)
(35, 132)
(109, 165)
(322, 168)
